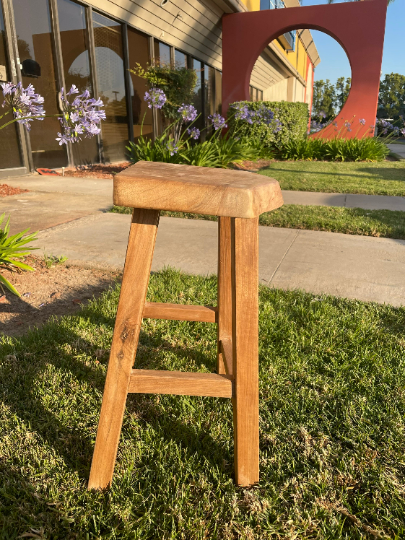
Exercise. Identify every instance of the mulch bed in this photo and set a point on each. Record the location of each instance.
(99, 170)
(47, 292)
(6, 190)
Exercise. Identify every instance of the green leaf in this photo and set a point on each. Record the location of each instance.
(8, 285)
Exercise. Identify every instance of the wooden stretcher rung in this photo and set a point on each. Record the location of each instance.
(180, 312)
(147, 381)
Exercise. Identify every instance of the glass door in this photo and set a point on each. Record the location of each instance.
(10, 154)
(37, 63)
(110, 76)
(75, 47)
(142, 116)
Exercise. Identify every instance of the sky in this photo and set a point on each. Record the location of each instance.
(334, 62)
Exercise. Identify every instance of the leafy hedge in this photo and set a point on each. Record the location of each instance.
(294, 118)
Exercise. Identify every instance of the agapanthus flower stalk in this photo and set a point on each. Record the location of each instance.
(24, 103)
(218, 121)
(172, 147)
(81, 117)
(155, 98)
(188, 113)
(194, 133)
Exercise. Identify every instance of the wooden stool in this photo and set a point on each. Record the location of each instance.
(238, 198)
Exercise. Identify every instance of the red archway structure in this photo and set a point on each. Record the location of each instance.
(358, 27)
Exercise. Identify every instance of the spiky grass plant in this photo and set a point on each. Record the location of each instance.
(11, 249)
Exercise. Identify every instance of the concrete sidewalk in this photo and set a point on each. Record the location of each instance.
(71, 215)
(347, 200)
(397, 149)
(55, 200)
(369, 269)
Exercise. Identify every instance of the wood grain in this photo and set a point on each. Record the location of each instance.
(245, 335)
(135, 281)
(202, 190)
(224, 290)
(146, 381)
(227, 355)
(179, 312)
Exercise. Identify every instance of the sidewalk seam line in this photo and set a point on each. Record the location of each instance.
(282, 258)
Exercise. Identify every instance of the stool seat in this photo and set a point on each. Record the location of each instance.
(201, 190)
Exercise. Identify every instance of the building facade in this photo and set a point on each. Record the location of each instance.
(93, 44)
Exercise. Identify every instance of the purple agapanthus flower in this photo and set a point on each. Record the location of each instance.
(266, 115)
(172, 147)
(315, 126)
(362, 121)
(278, 126)
(25, 104)
(155, 98)
(218, 121)
(81, 117)
(242, 112)
(188, 113)
(194, 133)
(262, 115)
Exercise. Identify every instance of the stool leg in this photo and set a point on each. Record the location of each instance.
(135, 281)
(245, 336)
(224, 288)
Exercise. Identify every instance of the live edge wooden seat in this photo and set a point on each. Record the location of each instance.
(237, 198)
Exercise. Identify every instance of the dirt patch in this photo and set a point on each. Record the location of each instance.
(58, 290)
(6, 190)
(99, 170)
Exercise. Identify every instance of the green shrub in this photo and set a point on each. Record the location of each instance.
(147, 150)
(365, 149)
(294, 119)
(217, 152)
(178, 84)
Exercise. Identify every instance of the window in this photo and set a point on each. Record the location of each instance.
(180, 59)
(36, 52)
(9, 147)
(255, 94)
(218, 91)
(162, 53)
(198, 92)
(76, 67)
(209, 96)
(138, 51)
(287, 40)
(111, 85)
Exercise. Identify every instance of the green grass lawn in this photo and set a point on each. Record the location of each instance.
(385, 178)
(378, 223)
(332, 426)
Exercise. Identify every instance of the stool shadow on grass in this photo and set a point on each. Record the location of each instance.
(41, 355)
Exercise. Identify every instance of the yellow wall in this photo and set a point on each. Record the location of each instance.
(302, 59)
(298, 58)
(252, 5)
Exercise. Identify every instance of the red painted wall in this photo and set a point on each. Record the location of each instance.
(358, 27)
